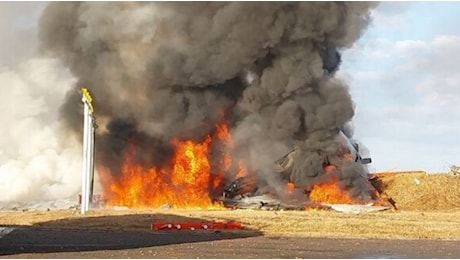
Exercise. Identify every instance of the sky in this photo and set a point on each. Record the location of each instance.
(405, 84)
(401, 74)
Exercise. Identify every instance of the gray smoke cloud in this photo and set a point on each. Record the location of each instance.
(161, 70)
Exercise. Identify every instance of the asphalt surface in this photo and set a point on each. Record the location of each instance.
(37, 242)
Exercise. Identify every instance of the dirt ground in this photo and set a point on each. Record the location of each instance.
(59, 243)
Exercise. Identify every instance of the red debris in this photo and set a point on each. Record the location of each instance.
(196, 225)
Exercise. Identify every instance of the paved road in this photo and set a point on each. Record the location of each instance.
(33, 242)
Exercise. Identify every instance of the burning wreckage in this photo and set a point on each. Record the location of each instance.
(248, 192)
(341, 179)
(197, 101)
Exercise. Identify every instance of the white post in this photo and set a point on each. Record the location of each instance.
(88, 150)
(89, 161)
(91, 157)
(84, 186)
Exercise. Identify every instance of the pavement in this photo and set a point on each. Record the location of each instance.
(39, 242)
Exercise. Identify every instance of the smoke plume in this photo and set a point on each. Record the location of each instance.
(37, 160)
(162, 70)
(35, 156)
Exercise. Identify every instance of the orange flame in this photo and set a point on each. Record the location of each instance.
(330, 192)
(290, 187)
(185, 183)
(189, 179)
(224, 135)
(243, 170)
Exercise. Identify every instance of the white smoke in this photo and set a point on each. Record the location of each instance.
(37, 160)
(34, 163)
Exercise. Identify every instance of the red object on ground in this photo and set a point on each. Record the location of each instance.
(196, 225)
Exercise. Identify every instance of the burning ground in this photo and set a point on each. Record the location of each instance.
(191, 96)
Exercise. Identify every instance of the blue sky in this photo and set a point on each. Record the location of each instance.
(405, 83)
(402, 75)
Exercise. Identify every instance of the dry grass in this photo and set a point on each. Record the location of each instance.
(421, 191)
(428, 210)
(390, 224)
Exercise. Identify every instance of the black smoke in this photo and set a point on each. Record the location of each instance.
(160, 70)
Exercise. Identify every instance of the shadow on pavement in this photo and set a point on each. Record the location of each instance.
(106, 233)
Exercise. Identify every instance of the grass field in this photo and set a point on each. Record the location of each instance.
(428, 208)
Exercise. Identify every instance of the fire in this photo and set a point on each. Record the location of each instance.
(290, 187)
(330, 192)
(192, 177)
(243, 170)
(186, 183)
(224, 135)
